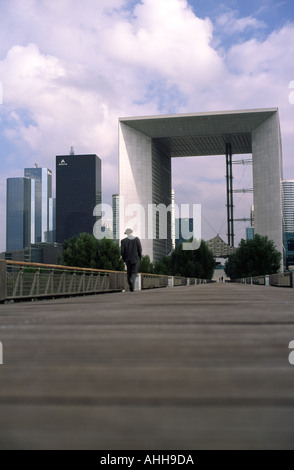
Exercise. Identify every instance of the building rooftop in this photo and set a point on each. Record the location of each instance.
(201, 134)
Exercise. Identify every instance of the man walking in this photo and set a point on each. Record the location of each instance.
(131, 251)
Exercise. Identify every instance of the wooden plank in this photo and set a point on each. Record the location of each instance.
(198, 367)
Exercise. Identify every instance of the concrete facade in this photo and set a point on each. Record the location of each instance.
(147, 144)
(267, 177)
(219, 248)
(135, 180)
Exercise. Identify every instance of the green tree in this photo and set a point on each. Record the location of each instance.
(188, 263)
(145, 265)
(255, 257)
(109, 255)
(80, 251)
(163, 266)
(198, 263)
(85, 251)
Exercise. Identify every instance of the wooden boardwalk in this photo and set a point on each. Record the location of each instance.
(187, 368)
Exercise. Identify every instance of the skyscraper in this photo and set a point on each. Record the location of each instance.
(20, 213)
(252, 216)
(183, 230)
(173, 220)
(288, 220)
(288, 205)
(115, 217)
(43, 203)
(78, 191)
(52, 220)
(249, 233)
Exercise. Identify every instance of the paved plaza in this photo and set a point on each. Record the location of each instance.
(186, 368)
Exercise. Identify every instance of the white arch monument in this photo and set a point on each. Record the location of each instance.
(147, 144)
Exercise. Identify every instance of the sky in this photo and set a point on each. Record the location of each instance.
(70, 69)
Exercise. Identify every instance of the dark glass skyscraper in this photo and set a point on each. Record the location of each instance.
(78, 191)
(20, 204)
(43, 203)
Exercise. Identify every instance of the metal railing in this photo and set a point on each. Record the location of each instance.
(21, 280)
(277, 280)
(32, 280)
(282, 280)
(152, 281)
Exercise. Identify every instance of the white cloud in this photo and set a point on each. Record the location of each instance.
(45, 88)
(270, 55)
(119, 65)
(165, 40)
(231, 24)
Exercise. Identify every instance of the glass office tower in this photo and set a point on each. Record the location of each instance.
(20, 213)
(52, 220)
(183, 230)
(78, 191)
(288, 220)
(43, 195)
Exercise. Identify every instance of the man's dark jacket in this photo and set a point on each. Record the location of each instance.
(131, 250)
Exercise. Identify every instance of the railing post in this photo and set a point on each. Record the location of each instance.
(113, 281)
(97, 283)
(18, 282)
(138, 282)
(90, 283)
(72, 283)
(49, 286)
(3, 280)
(81, 287)
(171, 281)
(104, 281)
(38, 280)
(61, 286)
(35, 283)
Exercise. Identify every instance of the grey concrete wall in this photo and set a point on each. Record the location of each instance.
(161, 194)
(135, 183)
(267, 176)
(144, 179)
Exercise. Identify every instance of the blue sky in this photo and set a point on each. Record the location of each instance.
(70, 69)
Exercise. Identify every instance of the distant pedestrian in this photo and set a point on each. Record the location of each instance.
(131, 251)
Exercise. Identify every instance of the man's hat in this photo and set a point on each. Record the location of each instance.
(128, 231)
